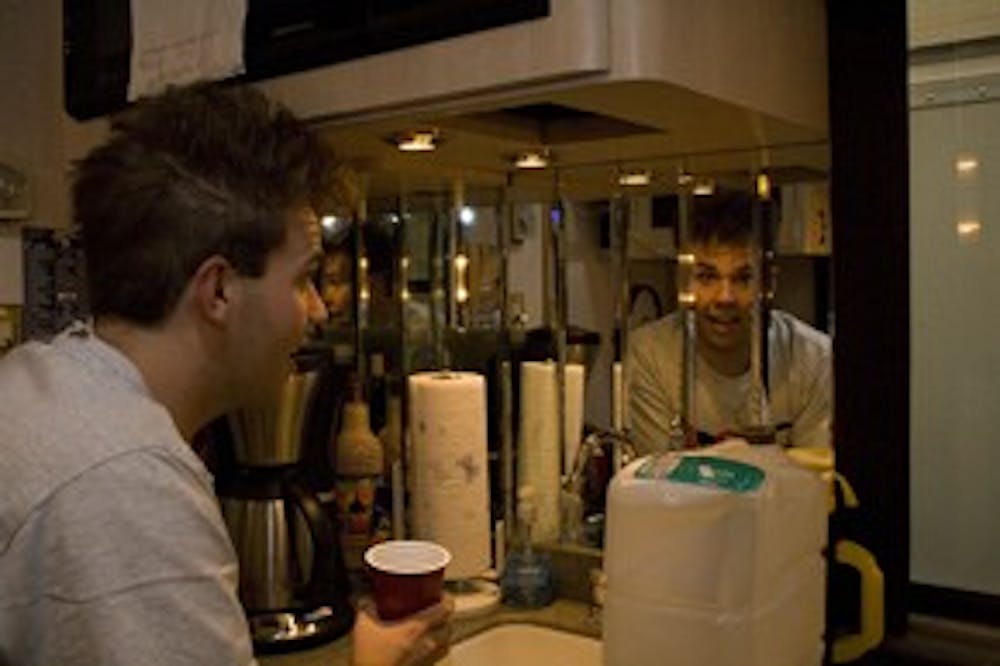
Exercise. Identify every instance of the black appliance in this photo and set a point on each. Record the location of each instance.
(280, 36)
(293, 584)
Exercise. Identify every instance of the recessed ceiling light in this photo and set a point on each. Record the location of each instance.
(334, 226)
(966, 164)
(532, 160)
(467, 215)
(969, 230)
(635, 178)
(703, 187)
(417, 142)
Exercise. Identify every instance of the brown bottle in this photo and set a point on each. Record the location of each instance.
(358, 464)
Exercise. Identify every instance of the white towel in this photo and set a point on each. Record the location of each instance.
(183, 41)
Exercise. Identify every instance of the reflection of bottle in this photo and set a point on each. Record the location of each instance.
(527, 578)
(390, 496)
(391, 434)
(358, 464)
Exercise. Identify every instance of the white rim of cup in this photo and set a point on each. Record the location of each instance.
(407, 557)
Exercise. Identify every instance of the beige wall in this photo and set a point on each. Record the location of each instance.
(955, 366)
(36, 135)
(938, 22)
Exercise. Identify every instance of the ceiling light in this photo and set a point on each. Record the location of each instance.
(704, 187)
(334, 227)
(684, 177)
(968, 230)
(966, 164)
(532, 160)
(635, 178)
(466, 215)
(763, 186)
(417, 142)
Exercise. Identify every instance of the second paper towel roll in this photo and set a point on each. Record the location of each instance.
(540, 461)
(450, 493)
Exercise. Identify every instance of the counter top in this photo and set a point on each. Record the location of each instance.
(564, 614)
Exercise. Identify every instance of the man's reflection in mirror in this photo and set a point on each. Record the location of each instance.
(384, 299)
(371, 263)
(725, 286)
(336, 284)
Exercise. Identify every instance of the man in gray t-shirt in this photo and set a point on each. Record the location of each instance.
(724, 287)
(199, 226)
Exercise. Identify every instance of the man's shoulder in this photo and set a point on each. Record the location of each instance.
(792, 329)
(58, 420)
(804, 350)
(659, 330)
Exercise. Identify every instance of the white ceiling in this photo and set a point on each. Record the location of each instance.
(609, 127)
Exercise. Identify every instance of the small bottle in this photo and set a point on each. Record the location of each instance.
(391, 433)
(389, 499)
(359, 462)
(527, 579)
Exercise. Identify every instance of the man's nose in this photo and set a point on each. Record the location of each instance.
(727, 290)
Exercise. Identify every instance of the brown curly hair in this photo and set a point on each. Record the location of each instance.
(197, 171)
(724, 217)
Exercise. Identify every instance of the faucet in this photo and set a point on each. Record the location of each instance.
(593, 447)
(574, 483)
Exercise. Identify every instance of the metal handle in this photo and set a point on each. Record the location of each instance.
(323, 535)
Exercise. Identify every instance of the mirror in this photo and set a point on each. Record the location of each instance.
(462, 258)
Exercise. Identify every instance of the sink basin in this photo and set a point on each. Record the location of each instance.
(525, 645)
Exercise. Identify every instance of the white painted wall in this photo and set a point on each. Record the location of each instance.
(593, 287)
(936, 22)
(36, 135)
(955, 367)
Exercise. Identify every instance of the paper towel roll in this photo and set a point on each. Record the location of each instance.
(574, 413)
(539, 460)
(450, 489)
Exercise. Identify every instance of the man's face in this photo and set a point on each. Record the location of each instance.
(724, 287)
(277, 308)
(337, 287)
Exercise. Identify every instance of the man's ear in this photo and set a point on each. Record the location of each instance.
(214, 284)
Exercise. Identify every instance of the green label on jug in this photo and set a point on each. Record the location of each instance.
(729, 475)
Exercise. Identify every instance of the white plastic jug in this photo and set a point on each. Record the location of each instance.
(713, 557)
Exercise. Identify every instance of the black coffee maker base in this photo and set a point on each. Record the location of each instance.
(287, 631)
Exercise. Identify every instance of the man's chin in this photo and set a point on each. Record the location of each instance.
(723, 341)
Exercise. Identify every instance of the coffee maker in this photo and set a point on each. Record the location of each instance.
(293, 584)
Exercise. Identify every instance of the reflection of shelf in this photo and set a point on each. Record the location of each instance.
(804, 226)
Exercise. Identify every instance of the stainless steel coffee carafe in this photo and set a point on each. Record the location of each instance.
(292, 580)
(275, 436)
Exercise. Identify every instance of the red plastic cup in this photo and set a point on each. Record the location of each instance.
(407, 576)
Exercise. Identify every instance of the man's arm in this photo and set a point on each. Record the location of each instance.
(135, 567)
(649, 407)
(812, 424)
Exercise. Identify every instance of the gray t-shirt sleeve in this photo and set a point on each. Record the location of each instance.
(812, 371)
(134, 566)
(649, 407)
